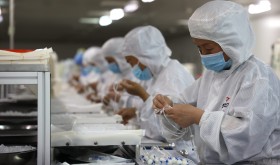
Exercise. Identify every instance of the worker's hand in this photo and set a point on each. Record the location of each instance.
(111, 88)
(80, 88)
(184, 114)
(111, 95)
(116, 87)
(93, 86)
(93, 98)
(88, 96)
(161, 101)
(127, 114)
(106, 100)
(76, 77)
(134, 88)
(131, 87)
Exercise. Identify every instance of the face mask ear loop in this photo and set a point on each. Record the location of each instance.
(192, 139)
(117, 92)
(115, 88)
(178, 133)
(116, 107)
(168, 120)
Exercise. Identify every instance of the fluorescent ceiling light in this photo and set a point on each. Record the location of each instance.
(105, 20)
(131, 6)
(89, 20)
(148, 1)
(116, 14)
(262, 6)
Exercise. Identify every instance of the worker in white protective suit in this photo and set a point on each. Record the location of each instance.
(98, 75)
(146, 51)
(234, 107)
(75, 79)
(112, 51)
(91, 72)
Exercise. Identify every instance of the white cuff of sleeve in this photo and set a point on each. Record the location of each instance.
(203, 118)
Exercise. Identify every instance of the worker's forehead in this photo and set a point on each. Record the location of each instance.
(198, 41)
(110, 59)
(130, 57)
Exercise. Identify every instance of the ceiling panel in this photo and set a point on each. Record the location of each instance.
(58, 20)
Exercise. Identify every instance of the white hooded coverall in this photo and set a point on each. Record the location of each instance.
(87, 60)
(147, 44)
(241, 120)
(106, 78)
(113, 48)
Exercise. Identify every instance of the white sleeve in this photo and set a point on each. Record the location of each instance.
(188, 95)
(168, 128)
(156, 125)
(251, 123)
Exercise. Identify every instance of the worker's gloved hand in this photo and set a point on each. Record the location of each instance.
(161, 101)
(134, 88)
(127, 114)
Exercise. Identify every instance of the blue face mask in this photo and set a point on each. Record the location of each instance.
(146, 74)
(215, 62)
(114, 67)
(88, 69)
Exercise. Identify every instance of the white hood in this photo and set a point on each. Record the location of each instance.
(94, 55)
(113, 48)
(147, 44)
(227, 24)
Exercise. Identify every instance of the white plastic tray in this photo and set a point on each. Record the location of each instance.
(97, 138)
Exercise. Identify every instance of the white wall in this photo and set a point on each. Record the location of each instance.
(267, 31)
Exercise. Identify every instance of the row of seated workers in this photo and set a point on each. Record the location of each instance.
(229, 115)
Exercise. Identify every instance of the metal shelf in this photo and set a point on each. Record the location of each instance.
(42, 79)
